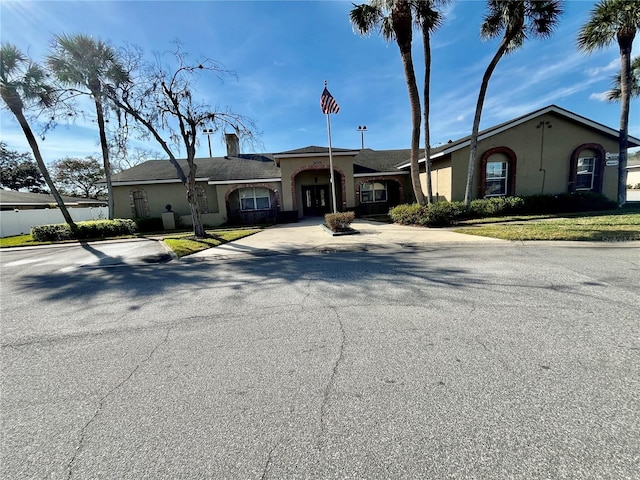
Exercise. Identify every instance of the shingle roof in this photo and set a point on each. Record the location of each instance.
(244, 167)
(369, 161)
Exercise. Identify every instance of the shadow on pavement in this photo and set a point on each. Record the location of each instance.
(354, 272)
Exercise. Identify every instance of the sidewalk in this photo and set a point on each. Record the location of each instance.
(308, 236)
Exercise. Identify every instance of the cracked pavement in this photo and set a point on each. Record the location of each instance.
(499, 361)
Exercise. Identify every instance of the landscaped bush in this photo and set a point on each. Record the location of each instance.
(85, 230)
(438, 214)
(442, 214)
(339, 222)
(406, 214)
(494, 206)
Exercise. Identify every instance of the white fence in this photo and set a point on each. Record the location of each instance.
(18, 222)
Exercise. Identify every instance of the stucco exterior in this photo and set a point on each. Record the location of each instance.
(548, 151)
(543, 150)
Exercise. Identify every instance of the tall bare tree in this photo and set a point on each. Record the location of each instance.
(162, 99)
(22, 81)
(615, 21)
(86, 64)
(394, 20)
(515, 21)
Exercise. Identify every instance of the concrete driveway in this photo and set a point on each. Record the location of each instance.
(307, 235)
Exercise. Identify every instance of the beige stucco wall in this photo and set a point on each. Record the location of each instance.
(308, 169)
(440, 180)
(526, 140)
(159, 195)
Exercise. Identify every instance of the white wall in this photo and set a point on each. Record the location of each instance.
(19, 222)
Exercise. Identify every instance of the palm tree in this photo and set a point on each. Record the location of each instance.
(428, 19)
(394, 19)
(615, 94)
(516, 20)
(22, 80)
(615, 20)
(80, 61)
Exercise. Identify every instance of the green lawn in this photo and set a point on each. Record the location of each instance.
(610, 226)
(181, 243)
(186, 244)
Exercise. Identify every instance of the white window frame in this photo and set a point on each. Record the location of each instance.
(592, 173)
(504, 178)
(373, 191)
(254, 197)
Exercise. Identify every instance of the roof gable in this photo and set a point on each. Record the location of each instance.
(450, 147)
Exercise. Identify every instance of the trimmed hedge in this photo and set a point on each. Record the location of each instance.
(443, 214)
(85, 230)
(339, 222)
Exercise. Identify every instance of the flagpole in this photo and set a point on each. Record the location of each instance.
(333, 184)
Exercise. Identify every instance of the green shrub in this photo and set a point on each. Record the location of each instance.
(495, 206)
(51, 233)
(442, 214)
(339, 222)
(85, 230)
(406, 214)
(438, 214)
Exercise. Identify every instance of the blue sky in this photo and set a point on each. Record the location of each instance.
(283, 51)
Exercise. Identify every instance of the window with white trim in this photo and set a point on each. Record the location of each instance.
(497, 174)
(371, 192)
(255, 198)
(585, 173)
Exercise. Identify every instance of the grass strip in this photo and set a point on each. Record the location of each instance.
(184, 245)
(619, 227)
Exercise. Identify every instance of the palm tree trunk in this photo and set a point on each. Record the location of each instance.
(473, 143)
(105, 151)
(426, 40)
(625, 97)
(402, 27)
(43, 168)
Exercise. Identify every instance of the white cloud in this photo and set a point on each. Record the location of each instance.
(612, 66)
(601, 97)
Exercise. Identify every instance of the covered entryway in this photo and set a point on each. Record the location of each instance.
(316, 200)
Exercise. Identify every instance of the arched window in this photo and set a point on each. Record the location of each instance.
(586, 169)
(371, 192)
(255, 198)
(139, 203)
(498, 174)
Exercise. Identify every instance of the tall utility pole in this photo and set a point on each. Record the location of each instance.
(208, 132)
(362, 129)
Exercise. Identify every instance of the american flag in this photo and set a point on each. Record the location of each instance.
(328, 104)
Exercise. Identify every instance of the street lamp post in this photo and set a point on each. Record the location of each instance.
(362, 129)
(208, 132)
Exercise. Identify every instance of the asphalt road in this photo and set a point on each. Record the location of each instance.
(498, 361)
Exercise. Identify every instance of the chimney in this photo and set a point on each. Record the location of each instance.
(233, 144)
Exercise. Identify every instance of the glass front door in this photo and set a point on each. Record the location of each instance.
(315, 200)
